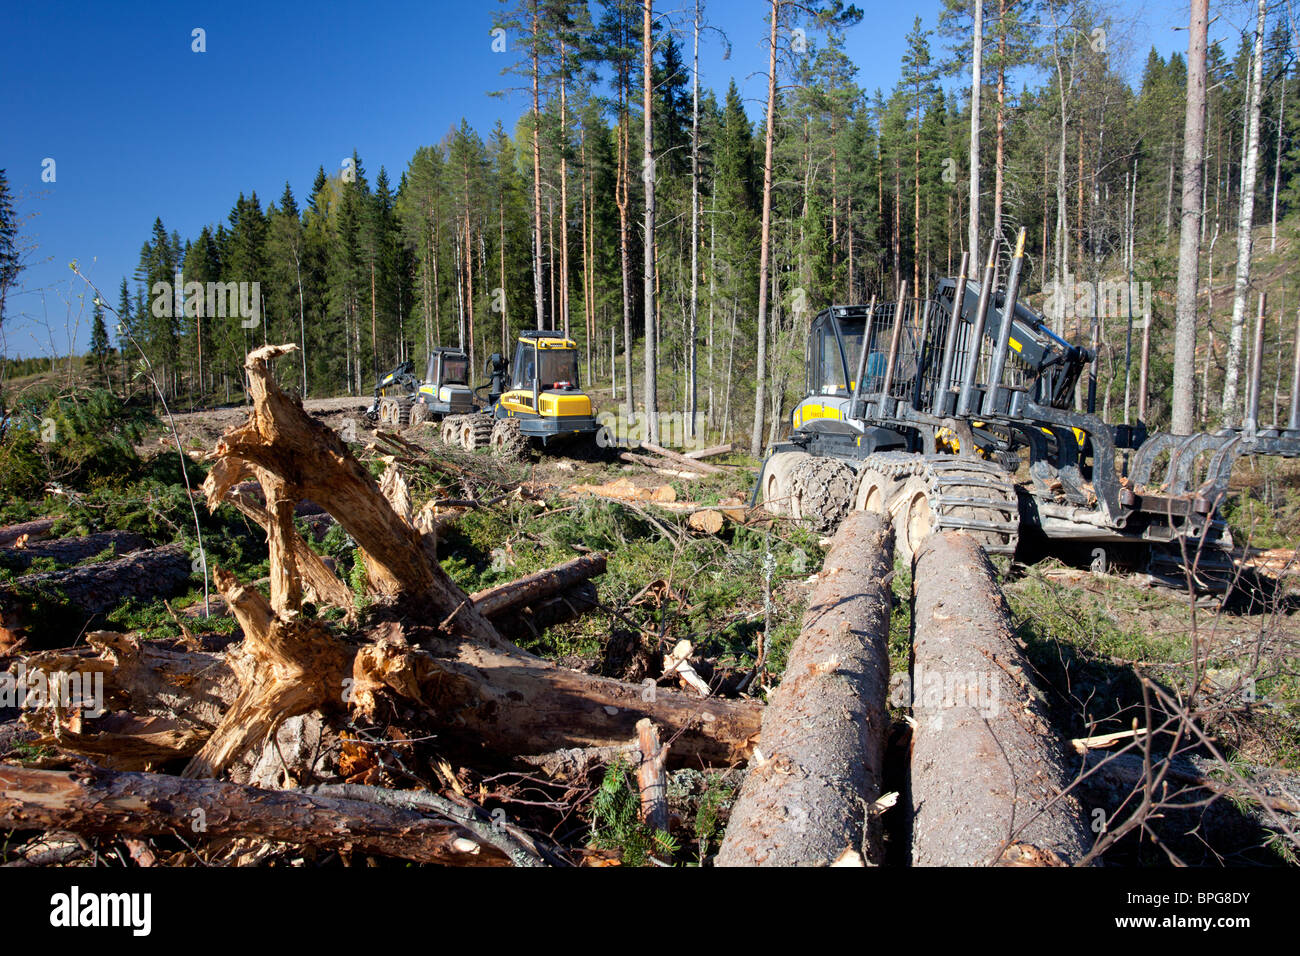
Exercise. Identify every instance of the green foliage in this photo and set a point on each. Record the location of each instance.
(615, 819)
(717, 798)
(83, 440)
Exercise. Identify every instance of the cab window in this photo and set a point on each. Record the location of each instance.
(521, 370)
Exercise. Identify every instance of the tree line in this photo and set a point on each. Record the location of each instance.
(684, 244)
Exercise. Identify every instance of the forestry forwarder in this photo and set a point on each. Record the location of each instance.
(402, 399)
(532, 402)
(935, 425)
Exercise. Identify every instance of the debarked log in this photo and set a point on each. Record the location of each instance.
(988, 775)
(147, 804)
(817, 768)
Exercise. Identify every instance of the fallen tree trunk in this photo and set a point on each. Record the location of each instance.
(681, 459)
(818, 763)
(548, 612)
(72, 550)
(539, 585)
(988, 773)
(711, 452)
(146, 804)
(484, 692)
(33, 530)
(50, 607)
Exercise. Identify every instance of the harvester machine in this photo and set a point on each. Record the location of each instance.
(958, 412)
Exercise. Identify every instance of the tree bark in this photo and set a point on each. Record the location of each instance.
(537, 586)
(765, 235)
(987, 770)
(147, 804)
(72, 550)
(820, 754)
(98, 588)
(976, 87)
(1245, 224)
(649, 272)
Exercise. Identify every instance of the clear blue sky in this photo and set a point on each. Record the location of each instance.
(139, 126)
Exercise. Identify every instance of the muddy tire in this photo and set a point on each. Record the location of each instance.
(507, 440)
(418, 415)
(823, 492)
(776, 491)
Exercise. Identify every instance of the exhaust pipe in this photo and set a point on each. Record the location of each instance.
(976, 340)
(998, 361)
(950, 339)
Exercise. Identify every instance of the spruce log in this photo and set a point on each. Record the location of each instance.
(71, 550)
(987, 770)
(818, 763)
(96, 588)
(146, 804)
(681, 459)
(537, 586)
(36, 529)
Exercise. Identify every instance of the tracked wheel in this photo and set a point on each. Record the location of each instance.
(475, 431)
(777, 490)
(418, 415)
(823, 492)
(944, 493)
(507, 440)
(450, 431)
(400, 412)
(387, 412)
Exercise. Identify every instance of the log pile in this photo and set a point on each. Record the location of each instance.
(422, 646)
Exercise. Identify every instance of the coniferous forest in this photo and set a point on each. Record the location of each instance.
(831, 194)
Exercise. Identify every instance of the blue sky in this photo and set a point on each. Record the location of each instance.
(140, 126)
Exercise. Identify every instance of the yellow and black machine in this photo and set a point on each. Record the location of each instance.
(533, 401)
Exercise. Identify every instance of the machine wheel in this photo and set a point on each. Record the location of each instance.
(475, 431)
(913, 517)
(875, 491)
(945, 493)
(418, 414)
(450, 432)
(507, 440)
(398, 411)
(777, 490)
(822, 492)
(386, 408)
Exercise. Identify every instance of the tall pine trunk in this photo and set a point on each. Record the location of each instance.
(1189, 240)
(765, 236)
(648, 172)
